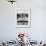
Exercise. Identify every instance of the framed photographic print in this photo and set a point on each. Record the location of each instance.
(23, 18)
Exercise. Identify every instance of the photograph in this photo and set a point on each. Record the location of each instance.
(23, 17)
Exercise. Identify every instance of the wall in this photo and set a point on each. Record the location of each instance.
(8, 28)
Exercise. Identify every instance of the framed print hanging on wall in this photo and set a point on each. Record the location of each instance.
(23, 18)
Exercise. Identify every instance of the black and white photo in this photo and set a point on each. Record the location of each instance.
(23, 17)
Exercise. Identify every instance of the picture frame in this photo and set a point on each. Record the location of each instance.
(23, 18)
